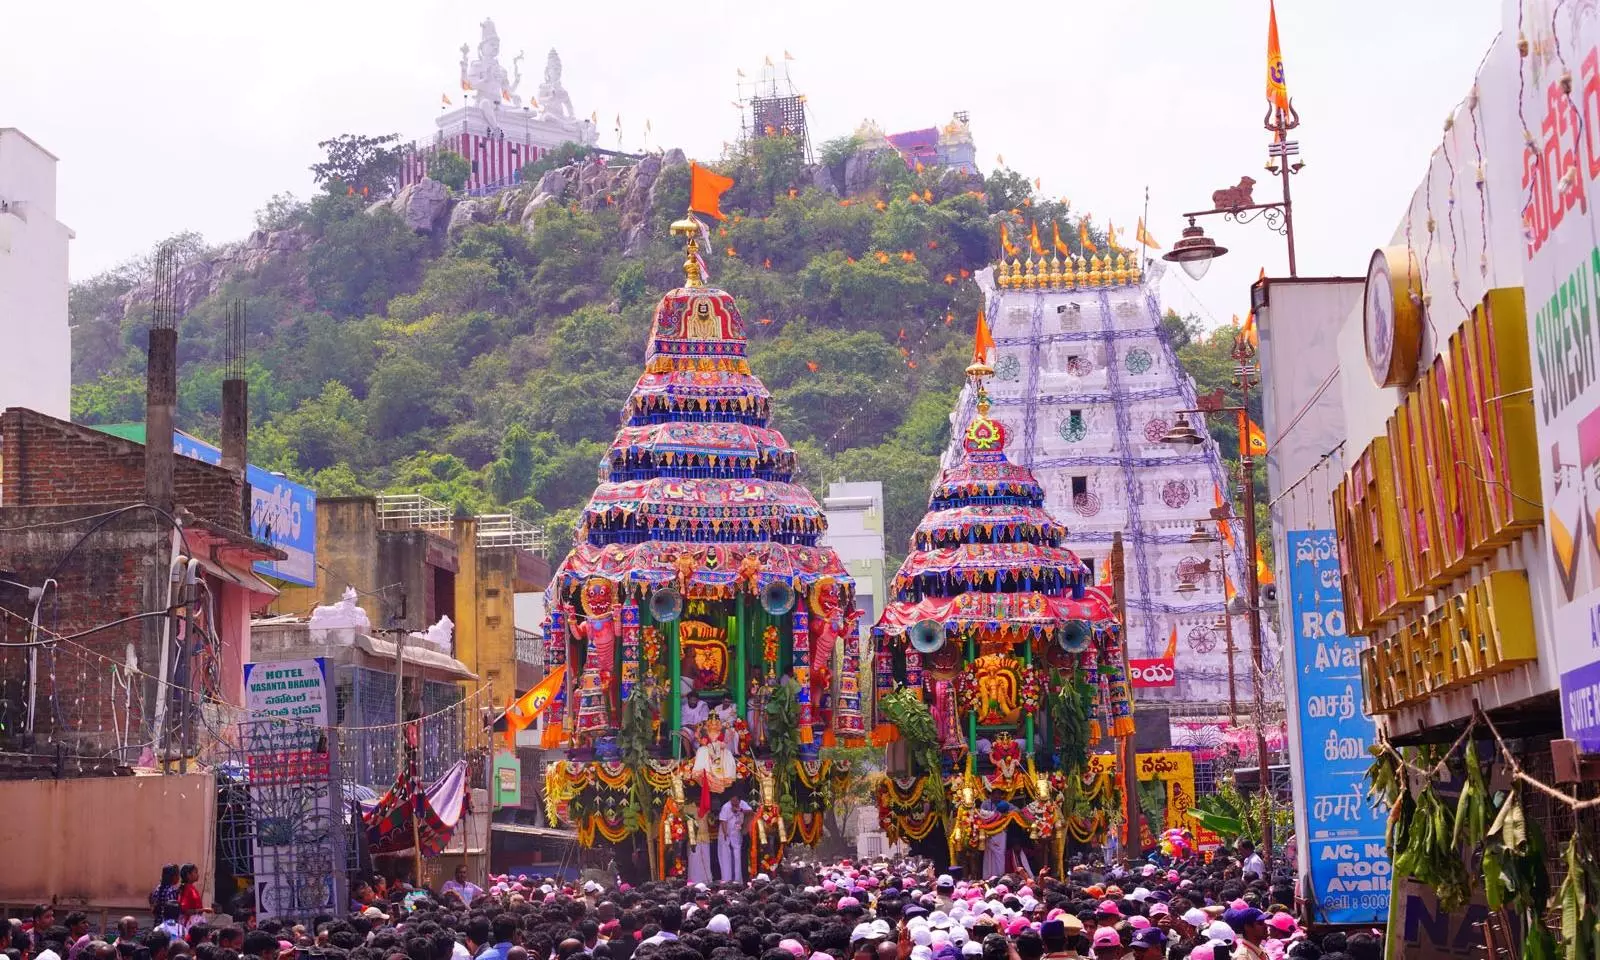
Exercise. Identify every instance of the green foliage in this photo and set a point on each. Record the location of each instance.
(905, 711)
(362, 261)
(569, 152)
(449, 168)
(783, 736)
(355, 162)
(282, 211)
(1070, 705)
(114, 398)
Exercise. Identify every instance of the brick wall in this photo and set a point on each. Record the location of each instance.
(50, 462)
(80, 701)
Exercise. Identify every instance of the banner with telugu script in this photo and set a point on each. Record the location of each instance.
(1349, 865)
(1156, 672)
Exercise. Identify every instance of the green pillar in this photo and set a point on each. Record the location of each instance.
(737, 638)
(972, 715)
(1027, 723)
(674, 668)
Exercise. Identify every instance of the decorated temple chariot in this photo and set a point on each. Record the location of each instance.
(697, 616)
(999, 665)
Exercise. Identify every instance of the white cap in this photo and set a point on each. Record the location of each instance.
(922, 936)
(940, 938)
(881, 929)
(920, 952)
(1140, 894)
(592, 887)
(1195, 917)
(863, 931)
(972, 948)
(938, 918)
(945, 880)
(1220, 931)
(719, 924)
(958, 935)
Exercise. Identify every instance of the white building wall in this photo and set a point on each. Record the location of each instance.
(36, 364)
(1100, 352)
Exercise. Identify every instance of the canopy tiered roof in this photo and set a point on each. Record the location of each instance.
(697, 487)
(987, 555)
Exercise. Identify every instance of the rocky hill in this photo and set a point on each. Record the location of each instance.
(477, 350)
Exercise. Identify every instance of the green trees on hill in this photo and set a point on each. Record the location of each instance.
(486, 368)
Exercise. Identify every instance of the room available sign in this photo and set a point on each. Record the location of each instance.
(1561, 277)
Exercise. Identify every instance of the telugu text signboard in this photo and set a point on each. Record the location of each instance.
(282, 513)
(1345, 835)
(1560, 167)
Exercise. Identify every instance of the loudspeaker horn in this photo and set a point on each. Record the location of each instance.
(926, 636)
(777, 598)
(666, 605)
(1074, 635)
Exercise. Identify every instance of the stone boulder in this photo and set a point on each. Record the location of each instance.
(422, 205)
(468, 212)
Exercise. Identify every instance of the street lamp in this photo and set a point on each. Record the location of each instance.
(1237, 203)
(1195, 251)
(1246, 375)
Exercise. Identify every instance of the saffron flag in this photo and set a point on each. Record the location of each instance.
(1254, 441)
(1172, 644)
(1277, 91)
(1034, 241)
(1223, 525)
(787, 55)
(1249, 332)
(445, 99)
(983, 341)
(527, 708)
(1141, 235)
(705, 191)
(1263, 572)
(1083, 237)
(1111, 237)
(1055, 237)
(1227, 587)
(1005, 241)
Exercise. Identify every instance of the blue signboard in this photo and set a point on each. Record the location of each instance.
(282, 513)
(1344, 834)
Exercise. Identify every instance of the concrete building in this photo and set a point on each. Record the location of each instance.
(36, 366)
(413, 561)
(855, 531)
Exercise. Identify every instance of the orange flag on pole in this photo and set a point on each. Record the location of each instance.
(1055, 236)
(983, 342)
(1083, 236)
(1253, 442)
(521, 714)
(1005, 241)
(1033, 240)
(1225, 526)
(1172, 645)
(1143, 236)
(1249, 332)
(1277, 91)
(705, 191)
(1263, 572)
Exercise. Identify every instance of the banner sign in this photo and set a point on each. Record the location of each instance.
(1561, 278)
(282, 513)
(1157, 672)
(296, 795)
(1349, 865)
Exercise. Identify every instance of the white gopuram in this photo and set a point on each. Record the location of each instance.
(493, 125)
(1088, 384)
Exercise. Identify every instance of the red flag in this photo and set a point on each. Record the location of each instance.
(812, 366)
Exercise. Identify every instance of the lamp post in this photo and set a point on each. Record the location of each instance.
(1237, 204)
(1246, 376)
(1202, 537)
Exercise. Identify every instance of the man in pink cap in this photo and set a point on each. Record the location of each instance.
(1106, 945)
(1107, 914)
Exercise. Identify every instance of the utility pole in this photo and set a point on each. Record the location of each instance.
(1125, 745)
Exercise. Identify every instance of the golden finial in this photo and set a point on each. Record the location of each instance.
(1133, 271)
(1002, 278)
(1016, 274)
(1068, 280)
(1028, 278)
(1008, 269)
(1054, 275)
(1122, 269)
(689, 227)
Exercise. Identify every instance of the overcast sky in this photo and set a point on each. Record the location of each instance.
(187, 115)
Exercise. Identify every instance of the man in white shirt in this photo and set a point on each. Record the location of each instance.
(695, 711)
(462, 887)
(730, 833)
(1252, 862)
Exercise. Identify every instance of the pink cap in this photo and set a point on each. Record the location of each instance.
(1016, 926)
(1238, 905)
(829, 886)
(1283, 923)
(1139, 923)
(1159, 910)
(1172, 876)
(1002, 890)
(793, 946)
(1203, 952)
(1108, 906)
(1054, 913)
(1107, 937)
